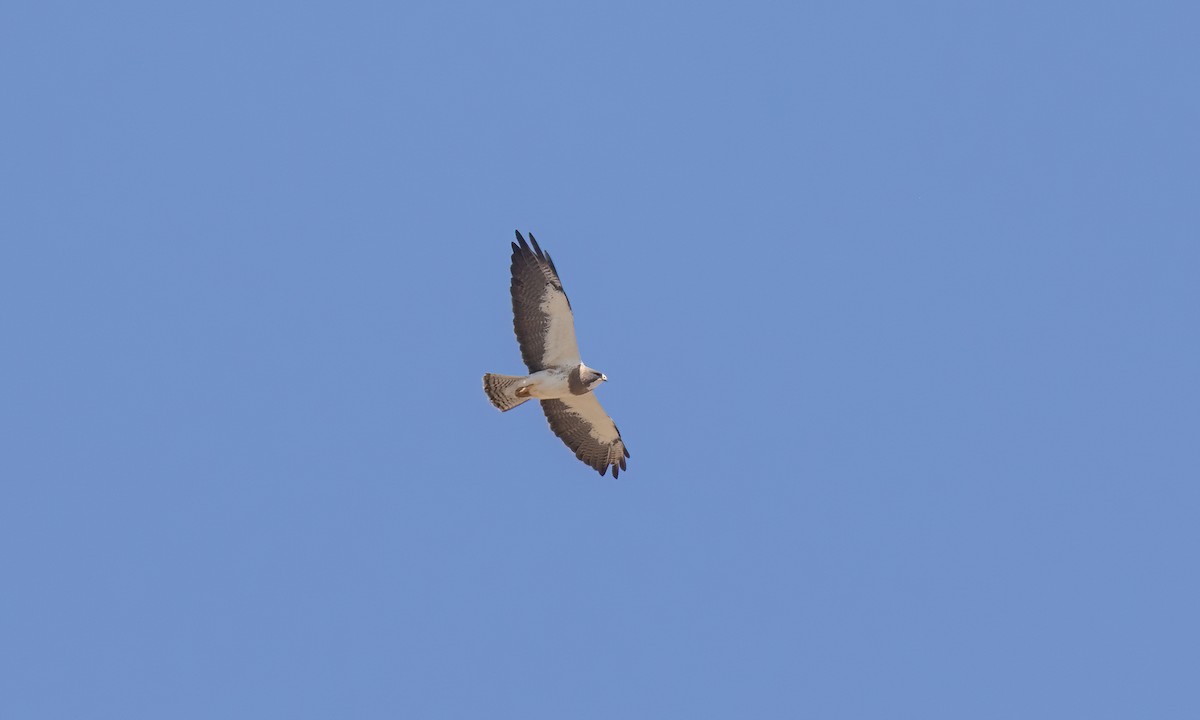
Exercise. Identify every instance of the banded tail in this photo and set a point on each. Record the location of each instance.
(503, 390)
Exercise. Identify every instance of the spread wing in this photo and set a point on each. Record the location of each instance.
(588, 430)
(542, 316)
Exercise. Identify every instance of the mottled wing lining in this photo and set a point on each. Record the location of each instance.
(533, 278)
(588, 431)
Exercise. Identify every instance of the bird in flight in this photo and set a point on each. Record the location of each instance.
(545, 328)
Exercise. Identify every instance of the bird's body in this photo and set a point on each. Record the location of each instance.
(545, 328)
(549, 384)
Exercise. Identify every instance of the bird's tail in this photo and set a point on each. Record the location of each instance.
(502, 390)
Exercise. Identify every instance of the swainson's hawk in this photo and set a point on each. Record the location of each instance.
(545, 330)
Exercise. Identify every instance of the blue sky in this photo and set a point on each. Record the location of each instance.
(898, 303)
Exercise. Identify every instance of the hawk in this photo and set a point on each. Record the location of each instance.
(545, 330)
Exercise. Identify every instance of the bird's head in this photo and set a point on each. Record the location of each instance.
(591, 377)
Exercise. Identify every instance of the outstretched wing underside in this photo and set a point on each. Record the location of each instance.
(588, 431)
(542, 315)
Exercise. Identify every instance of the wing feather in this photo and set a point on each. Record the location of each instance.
(542, 316)
(588, 431)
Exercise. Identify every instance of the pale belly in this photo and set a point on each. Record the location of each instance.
(548, 384)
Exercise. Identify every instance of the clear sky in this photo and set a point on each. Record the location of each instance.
(898, 304)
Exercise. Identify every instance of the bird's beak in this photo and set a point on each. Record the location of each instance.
(603, 377)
